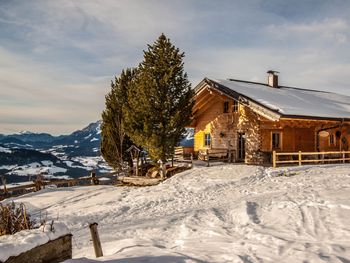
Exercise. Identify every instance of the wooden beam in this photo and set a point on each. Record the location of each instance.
(198, 112)
(201, 101)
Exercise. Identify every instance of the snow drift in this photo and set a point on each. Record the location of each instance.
(225, 213)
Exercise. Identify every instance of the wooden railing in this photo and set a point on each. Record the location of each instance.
(39, 184)
(309, 157)
(214, 155)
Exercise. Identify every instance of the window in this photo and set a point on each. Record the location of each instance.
(226, 105)
(207, 139)
(235, 106)
(331, 140)
(276, 140)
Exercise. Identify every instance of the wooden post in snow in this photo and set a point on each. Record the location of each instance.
(191, 160)
(162, 169)
(134, 153)
(94, 180)
(322, 157)
(3, 179)
(343, 156)
(274, 159)
(137, 164)
(299, 158)
(207, 153)
(96, 240)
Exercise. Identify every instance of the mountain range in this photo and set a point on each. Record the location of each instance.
(26, 154)
(84, 142)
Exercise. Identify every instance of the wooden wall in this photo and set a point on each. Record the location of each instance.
(292, 138)
(340, 143)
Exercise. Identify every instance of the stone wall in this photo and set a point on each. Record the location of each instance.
(249, 124)
(54, 251)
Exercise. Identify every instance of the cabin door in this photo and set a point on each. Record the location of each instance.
(241, 146)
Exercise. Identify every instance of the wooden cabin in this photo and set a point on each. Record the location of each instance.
(254, 119)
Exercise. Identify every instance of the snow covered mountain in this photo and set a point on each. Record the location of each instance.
(28, 137)
(25, 154)
(81, 142)
(84, 142)
(188, 139)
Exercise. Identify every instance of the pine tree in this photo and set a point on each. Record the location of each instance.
(114, 141)
(160, 100)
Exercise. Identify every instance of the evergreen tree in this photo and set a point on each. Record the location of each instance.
(160, 100)
(114, 141)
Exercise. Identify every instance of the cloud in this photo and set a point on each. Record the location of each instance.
(58, 57)
(34, 93)
(327, 31)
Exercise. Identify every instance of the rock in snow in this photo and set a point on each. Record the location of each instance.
(225, 213)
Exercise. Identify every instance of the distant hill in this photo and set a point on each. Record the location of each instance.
(25, 154)
(29, 137)
(85, 142)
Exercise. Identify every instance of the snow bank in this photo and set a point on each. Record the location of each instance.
(5, 150)
(226, 213)
(13, 245)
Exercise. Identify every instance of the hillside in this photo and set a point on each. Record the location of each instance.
(28, 154)
(25, 154)
(84, 142)
(225, 213)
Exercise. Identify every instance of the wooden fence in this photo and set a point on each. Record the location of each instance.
(36, 185)
(309, 157)
(216, 155)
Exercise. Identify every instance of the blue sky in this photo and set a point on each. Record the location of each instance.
(57, 58)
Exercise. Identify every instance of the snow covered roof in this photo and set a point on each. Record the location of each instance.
(288, 101)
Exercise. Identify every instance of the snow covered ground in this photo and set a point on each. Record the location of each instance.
(225, 213)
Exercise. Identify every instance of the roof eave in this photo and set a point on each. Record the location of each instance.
(316, 118)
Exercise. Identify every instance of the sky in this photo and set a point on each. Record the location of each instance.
(57, 58)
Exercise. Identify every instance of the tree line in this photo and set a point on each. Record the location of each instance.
(148, 106)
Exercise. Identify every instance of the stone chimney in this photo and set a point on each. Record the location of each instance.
(272, 78)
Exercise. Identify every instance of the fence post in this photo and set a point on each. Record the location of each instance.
(299, 158)
(207, 153)
(191, 160)
(137, 165)
(94, 180)
(96, 240)
(343, 157)
(3, 179)
(172, 161)
(162, 168)
(229, 156)
(274, 159)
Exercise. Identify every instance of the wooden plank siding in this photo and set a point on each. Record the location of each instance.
(293, 139)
